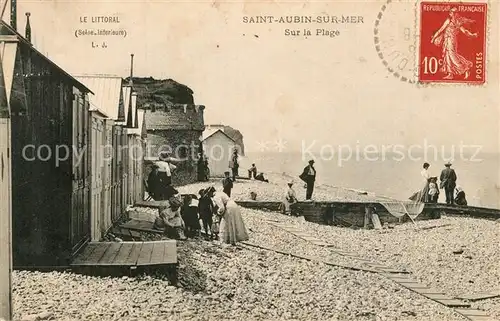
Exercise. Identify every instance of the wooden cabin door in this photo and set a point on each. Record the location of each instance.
(116, 177)
(124, 166)
(80, 213)
(96, 177)
(107, 162)
(131, 170)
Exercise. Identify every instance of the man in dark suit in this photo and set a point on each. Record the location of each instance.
(448, 180)
(309, 177)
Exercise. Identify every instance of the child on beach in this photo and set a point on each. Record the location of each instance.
(227, 184)
(216, 227)
(460, 198)
(290, 199)
(206, 210)
(433, 190)
(189, 214)
(170, 220)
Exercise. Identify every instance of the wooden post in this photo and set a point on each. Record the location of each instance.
(5, 205)
(368, 214)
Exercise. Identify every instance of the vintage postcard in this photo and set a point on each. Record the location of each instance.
(249, 160)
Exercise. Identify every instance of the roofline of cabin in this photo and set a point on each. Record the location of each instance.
(25, 41)
(98, 76)
(218, 130)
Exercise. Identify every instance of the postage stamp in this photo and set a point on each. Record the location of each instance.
(452, 42)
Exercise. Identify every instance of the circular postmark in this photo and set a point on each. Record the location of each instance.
(396, 38)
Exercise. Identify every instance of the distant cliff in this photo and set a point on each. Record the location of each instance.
(161, 91)
(169, 92)
(237, 136)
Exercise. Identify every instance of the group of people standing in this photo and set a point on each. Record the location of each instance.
(308, 175)
(429, 193)
(219, 214)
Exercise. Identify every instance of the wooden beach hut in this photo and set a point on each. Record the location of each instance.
(218, 147)
(107, 101)
(50, 175)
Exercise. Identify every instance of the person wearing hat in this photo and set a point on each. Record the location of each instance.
(234, 164)
(210, 194)
(227, 184)
(252, 171)
(433, 190)
(206, 209)
(170, 219)
(448, 180)
(290, 198)
(309, 177)
(189, 214)
(165, 168)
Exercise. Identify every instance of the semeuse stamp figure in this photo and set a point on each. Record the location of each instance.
(452, 42)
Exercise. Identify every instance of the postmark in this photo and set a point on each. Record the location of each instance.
(452, 44)
(395, 38)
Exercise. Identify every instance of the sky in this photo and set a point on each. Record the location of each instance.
(302, 91)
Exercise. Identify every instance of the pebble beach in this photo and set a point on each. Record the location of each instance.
(453, 254)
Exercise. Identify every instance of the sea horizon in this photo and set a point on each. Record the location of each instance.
(387, 177)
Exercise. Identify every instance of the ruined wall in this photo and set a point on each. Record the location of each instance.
(184, 144)
(176, 129)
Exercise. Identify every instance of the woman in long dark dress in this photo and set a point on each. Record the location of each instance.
(154, 183)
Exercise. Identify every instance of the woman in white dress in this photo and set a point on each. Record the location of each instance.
(423, 193)
(233, 227)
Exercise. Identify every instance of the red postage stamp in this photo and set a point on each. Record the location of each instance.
(452, 42)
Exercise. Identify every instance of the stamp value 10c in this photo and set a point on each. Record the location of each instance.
(452, 42)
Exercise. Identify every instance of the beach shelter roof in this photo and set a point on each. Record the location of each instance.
(7, 31)
(106, 98)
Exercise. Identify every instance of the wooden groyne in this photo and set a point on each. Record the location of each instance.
(344, 213)
(472, 211)
(356, 213)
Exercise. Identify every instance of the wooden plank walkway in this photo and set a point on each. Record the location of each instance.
(403, 278)
(472, 211)
(141, 226)
(127, 254)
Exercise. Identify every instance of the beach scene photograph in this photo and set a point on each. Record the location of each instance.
(250, 160)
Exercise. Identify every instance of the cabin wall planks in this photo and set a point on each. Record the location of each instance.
(50, 194)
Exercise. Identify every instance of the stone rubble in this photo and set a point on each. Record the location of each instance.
(425, 250)
(225, 283)
(217, 281)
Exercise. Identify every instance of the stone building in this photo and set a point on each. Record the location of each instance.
(176, 129)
